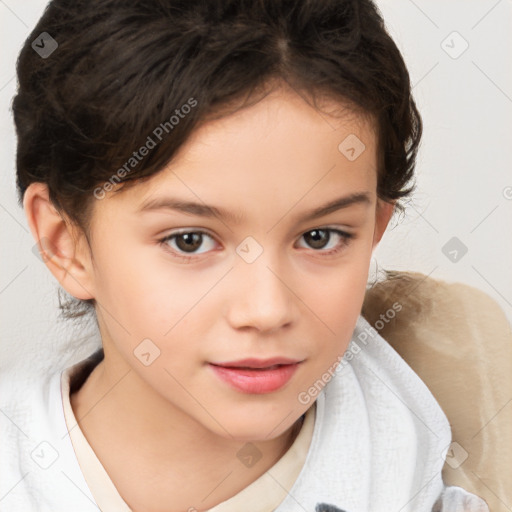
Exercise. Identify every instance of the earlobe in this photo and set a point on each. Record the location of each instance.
(59, 249)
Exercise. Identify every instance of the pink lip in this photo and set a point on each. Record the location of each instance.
(256, 376)
(252, 362)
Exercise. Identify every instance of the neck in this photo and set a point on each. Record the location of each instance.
(150, 448)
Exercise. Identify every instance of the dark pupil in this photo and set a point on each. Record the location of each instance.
(192, 241)
(317, 238)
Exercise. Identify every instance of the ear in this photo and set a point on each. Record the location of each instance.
(62, 246)
(383, 213)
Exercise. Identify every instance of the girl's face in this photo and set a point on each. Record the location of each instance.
(221, 257)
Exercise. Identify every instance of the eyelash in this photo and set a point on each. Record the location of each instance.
(346, 239)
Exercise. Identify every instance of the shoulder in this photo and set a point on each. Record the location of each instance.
(420, 296)
(35, 447)
(437, 322)
(20, 389)
(27, 403)
(459, 342)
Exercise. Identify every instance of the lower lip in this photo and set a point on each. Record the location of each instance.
(256, 381)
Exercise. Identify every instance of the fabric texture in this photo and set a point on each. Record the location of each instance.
(459, 342)
(379, 442)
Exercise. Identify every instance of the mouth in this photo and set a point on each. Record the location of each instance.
(258, 364)
(273, 367)
(255, 377)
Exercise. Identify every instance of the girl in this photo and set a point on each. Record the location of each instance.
(210, 179)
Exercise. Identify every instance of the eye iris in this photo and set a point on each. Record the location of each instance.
(317, 238)
(192, 241)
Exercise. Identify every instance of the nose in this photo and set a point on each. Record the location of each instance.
(263, 299)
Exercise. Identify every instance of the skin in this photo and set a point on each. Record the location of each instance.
(168, 433)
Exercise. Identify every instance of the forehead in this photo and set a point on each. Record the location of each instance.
(280, 151)
(285, 119)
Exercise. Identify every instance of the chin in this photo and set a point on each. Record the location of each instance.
(257, 426)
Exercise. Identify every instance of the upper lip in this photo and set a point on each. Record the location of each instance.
(258, 363)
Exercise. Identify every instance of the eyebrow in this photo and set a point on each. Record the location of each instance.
(204, 210)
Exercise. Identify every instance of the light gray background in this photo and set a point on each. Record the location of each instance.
(464, 171)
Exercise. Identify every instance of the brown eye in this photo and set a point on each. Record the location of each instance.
(317, 238)
(189, 242)
(186, 243)
(324, 242)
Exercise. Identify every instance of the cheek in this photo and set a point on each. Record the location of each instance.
(337, 296)
(123, 279)
(336, 300)
(150, 296)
